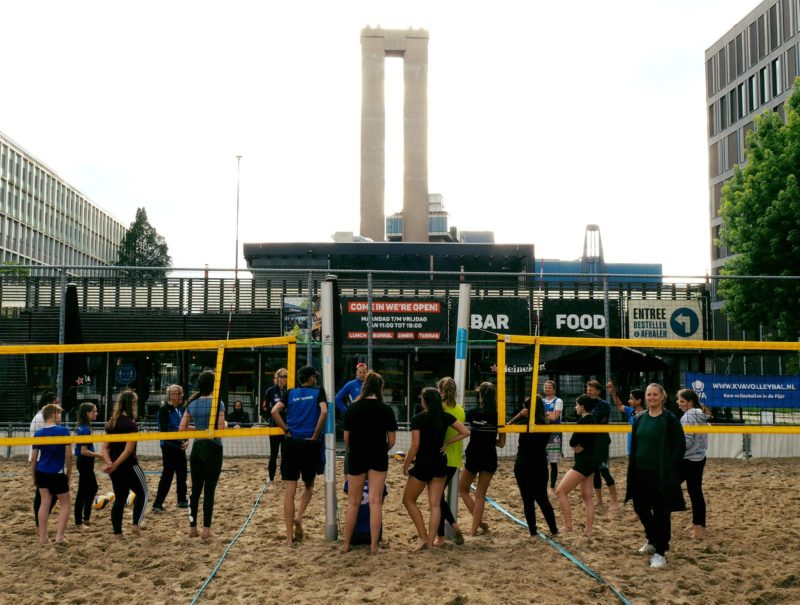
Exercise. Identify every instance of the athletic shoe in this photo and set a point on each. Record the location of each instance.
(647, 549)
(183, 505)
(658, 560)
(158, 509)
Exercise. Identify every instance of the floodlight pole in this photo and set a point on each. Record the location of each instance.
(460, 377)
(238, 173)
(328, 377)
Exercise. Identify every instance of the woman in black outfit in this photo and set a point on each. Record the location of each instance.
(584, 468)
(369, 434)
(654, 472)
(530, 469)
(428, 430)
(238, 418)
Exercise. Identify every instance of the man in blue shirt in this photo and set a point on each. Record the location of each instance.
(173, 451)
(306, 409)
(351, 390)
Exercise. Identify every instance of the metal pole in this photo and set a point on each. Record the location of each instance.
(62, 315)
(460, 377)
(326, 307)
(238, 172)
(310, 320)
(607, 329)
(369, 320)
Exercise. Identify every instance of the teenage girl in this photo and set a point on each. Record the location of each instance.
(84, 457)
(584, 468)
(694, 460)
(553, 408)
(428, 430)
(481, 454)
(454, 452)
(123, 466)
(632, 410)
(48, 463)
(369, 433)
(206, 458)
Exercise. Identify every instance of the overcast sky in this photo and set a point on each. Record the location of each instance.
(543, 117)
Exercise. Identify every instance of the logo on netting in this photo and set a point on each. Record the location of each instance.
(698, 386)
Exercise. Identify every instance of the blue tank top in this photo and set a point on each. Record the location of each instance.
(302, 411)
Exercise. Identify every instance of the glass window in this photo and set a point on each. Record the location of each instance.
(763, 88)
(762, 37)
(722, 63)
(774, 38)
(786, 18)
(740, 66)
(777, 77)
(752, 35)
(723, 113)
(710, 77)
(751, 94)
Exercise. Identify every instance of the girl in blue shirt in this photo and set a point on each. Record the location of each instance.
(48, 463)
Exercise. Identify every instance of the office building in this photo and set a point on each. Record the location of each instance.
(749, 70)
(45, 220)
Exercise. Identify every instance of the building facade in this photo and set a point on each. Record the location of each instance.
(749, 70)
(46, 221)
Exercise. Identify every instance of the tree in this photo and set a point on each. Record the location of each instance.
(142, 246)
(761, 226)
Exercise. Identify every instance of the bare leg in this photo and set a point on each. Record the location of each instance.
(44, 514)
(480, 502)
(599, 492)
(305, 499)
(413, 489)
(63, 515)
(569, 482)
(588, 504)
(376, 482)
(463, 489)
(289, 490)
(355, 489)
(435, 489)
(615, 506)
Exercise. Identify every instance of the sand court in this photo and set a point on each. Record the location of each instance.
(750, 554)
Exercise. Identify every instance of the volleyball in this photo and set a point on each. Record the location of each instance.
(102, 500)
(131, 498)
(399, 456)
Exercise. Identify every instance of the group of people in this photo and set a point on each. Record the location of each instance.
(661, 457)
(51, 465)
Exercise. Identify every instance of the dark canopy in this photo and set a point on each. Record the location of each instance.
(591, 360)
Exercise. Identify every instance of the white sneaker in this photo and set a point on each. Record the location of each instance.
(647, 549)
(658, 560)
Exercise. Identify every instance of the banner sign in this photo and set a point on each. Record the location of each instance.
(294, 318)
(490, 316)
(395, 320)
(670, 319)
(579, 318)
(716, 390)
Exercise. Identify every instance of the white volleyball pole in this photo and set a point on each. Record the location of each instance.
(326, 355)
(460, 377)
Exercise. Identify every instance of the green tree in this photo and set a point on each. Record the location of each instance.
(142, 246)
(9, 268)
(761, 226)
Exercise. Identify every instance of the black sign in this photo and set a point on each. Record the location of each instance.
(395, 319)
(578, 318)
(490, 316)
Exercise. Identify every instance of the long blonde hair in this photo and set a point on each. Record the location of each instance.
(447, 388)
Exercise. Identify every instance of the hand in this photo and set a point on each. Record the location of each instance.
(405, 471)
(578, 449)
(185, 444)
(524, 413)
(110, 468)
(236, 426)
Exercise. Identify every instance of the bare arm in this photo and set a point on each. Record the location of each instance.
(391, 437)
(461, 433)
(277, 418)
(323, 414)
(130, 446)
(412, 451)
(612, 391)
(68, 460)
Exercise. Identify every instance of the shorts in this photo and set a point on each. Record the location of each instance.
(360, 462)
(55, 482)
(481, 461)
(585, 465)
(300, 459)
(426, 470)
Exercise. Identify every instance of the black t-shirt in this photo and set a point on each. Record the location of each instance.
(124, 425)
(368, 421)
(483, 429)
(431, 434)
(532, 447)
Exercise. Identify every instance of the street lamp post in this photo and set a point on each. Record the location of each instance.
(236, 264)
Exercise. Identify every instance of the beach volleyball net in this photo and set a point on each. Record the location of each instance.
(745, 387)
(98, 373)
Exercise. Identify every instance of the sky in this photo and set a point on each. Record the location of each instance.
(543, 117)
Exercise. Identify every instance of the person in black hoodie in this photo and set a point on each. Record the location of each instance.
(277, 392)
(584, 468)
(530, 468)
(238, 418)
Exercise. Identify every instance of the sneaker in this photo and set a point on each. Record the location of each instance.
(658, 560)
(183, 505)
(647, 549)
(158, 509)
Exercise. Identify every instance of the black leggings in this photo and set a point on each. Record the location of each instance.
(648, 504)
(128, 478)
(206, 465)
(606, 474)
(447, 514)
(275, 443)
(87, 489)
(693, 475)
(532, 482)
(553, 474)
